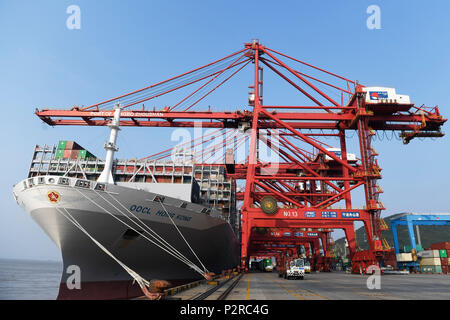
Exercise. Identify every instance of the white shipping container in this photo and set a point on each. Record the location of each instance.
(429, 254)
(425, 254)
(404, 257)
(430, 262)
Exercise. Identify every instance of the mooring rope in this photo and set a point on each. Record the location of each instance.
(143, 283)
(187, 243)
(156, 236)
(190, 263)
(178, 256)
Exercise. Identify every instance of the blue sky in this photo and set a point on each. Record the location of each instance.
(123, 46)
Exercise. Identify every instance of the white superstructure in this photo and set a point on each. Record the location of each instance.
(337, 152)
(377, 95)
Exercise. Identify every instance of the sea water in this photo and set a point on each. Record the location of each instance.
(29, 279)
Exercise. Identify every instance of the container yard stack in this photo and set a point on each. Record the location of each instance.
(424, 264)
(444, 254)
(430, 261)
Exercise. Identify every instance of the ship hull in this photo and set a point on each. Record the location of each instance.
(210, 237)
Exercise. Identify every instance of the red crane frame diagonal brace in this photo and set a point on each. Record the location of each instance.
(301, 78)
(308, 140)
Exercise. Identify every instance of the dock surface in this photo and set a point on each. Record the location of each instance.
(340, 286)
(320, 286)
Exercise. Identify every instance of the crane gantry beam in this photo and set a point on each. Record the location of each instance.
(209, 119)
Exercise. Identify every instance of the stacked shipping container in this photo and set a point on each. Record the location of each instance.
(390, 259)
(444, 254)
(72, 150)
(435, 260)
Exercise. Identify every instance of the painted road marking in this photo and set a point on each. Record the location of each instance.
(313, 294)
(290, 291)
(248, 287)
(377, 295)
(298, 294)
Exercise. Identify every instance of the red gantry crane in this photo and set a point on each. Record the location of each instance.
(313, 183)
(287, 240)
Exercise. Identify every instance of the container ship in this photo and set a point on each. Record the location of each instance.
(164, 220)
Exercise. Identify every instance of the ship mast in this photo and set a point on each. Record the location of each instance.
(110, 147)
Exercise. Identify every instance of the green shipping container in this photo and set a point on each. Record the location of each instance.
(427, 269)
(431, 269)
(408, 249)
(84, 154)
(443, 253)
(62, 145)
(59, 154)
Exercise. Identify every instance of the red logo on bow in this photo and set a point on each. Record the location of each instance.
(53, 196)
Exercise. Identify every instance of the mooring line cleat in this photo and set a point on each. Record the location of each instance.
(208, 276)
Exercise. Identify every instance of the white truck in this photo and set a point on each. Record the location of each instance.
(295, 269)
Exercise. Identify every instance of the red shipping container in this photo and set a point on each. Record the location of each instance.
(72, 145)
(70, 154)
(440, 246)
(390, 254)
(444, 261)
(391, 262)
(444, 269)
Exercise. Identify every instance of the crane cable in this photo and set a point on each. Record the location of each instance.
(174, 84)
